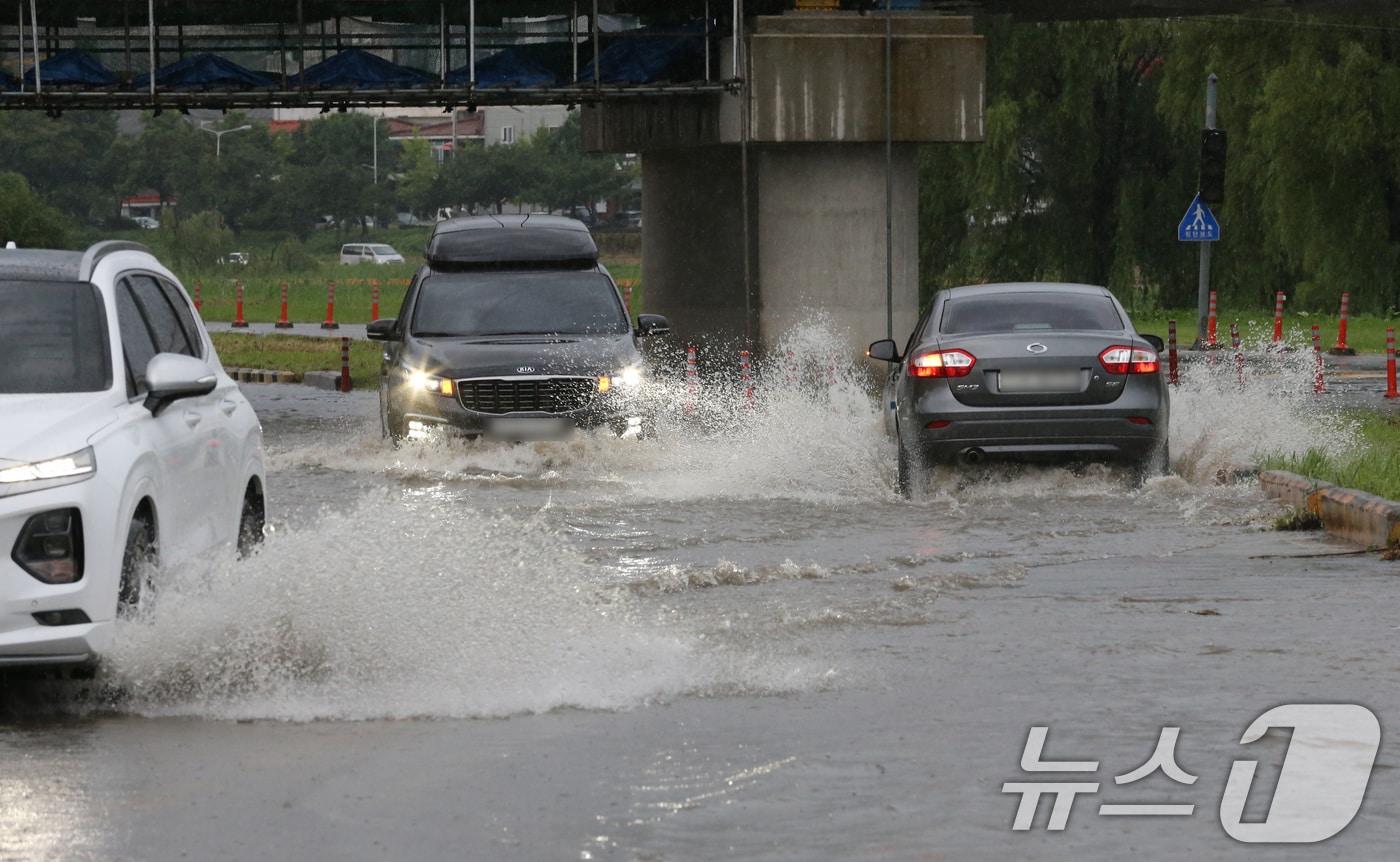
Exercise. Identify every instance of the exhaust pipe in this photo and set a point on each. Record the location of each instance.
(973, 456)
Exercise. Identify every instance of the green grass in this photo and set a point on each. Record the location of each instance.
(1374, 468)
(298, 354)
(1365, 333)
(309, 294)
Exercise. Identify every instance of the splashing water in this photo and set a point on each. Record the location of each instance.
(413, 601)
(470, 615)
(1229, 414)
(805, 425)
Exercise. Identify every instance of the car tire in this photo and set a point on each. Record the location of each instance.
(139, 560)
(909, 471)
(392, 424)
(251, 521)
(1156, 463)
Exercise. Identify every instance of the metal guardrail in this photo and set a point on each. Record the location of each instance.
(58, 99)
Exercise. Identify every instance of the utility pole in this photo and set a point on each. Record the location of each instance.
(1203, 289)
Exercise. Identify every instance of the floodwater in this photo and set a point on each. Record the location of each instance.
(731, 641)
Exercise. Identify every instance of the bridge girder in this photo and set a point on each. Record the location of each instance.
(450, 32)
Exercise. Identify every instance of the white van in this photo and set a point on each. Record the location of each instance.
(369, 252)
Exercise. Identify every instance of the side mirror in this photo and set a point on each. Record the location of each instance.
(172, 376)
(884, 349)
(382, 330)
(1155, 340)
(652, 324)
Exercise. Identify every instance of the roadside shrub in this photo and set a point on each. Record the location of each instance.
(201, 240)
(291, 255)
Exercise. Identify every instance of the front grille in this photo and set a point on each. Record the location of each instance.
(538, 395)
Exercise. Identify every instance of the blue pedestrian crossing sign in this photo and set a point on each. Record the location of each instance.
(1199, 224)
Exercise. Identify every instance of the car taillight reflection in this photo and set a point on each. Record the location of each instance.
(941, 363)
(1129, 360)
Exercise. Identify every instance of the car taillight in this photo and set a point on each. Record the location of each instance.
(941, 363)
(50, 546)
(1129, 360)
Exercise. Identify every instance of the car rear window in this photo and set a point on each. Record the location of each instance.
(53, 338)
(1029, 311)
(518, 303)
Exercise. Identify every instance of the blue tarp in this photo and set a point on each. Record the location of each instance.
(72, 67)
(204, 72)
(508, 68)
(360, 70)
(648, 59)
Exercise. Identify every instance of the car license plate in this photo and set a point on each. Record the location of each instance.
(1040, 380)
(528, 428)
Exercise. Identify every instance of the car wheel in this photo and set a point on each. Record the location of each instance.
(909, 471)
(391, 423)
(1157, 463)
(250, 523)
(139, 561)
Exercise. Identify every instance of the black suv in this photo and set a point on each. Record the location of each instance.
(513, 330)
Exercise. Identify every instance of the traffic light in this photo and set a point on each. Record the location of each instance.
(1212, 166)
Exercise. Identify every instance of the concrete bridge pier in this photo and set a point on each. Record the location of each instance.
(765, 210)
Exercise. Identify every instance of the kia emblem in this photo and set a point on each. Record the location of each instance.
(1036, 347)
(525, 369)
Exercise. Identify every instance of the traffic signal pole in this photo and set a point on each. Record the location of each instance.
(1203, 287)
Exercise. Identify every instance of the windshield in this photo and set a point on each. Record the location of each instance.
(382, 249)
(518, 303)
(53, 338)
(1024, 311)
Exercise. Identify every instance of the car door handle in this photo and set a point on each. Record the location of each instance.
(193, 417)
(228, 405)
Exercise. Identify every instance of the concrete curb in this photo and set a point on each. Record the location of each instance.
(1356, 516)
(258, 375)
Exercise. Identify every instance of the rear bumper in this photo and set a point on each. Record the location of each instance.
(1095, 439)
(1129, 429)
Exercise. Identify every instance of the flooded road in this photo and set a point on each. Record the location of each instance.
(733, 641)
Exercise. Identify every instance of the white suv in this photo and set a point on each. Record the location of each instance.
(124, 447)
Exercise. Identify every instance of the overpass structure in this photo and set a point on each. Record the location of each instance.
(778, 137)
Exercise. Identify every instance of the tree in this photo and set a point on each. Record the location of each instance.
(204, 239)
(1313, 200)
(61, 157)
(27, 221)
(417, 182)
(565, 176)
(1069, 183)
(163, 158)
(237, 173)
(485, 177)
(326, 173)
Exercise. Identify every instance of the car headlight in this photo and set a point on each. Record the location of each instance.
(49, 473)
(426, 382)
(627, 378)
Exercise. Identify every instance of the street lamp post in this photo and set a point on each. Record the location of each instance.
(374, 135)
(219, 135)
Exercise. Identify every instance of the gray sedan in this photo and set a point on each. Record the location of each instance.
(1027, 371)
